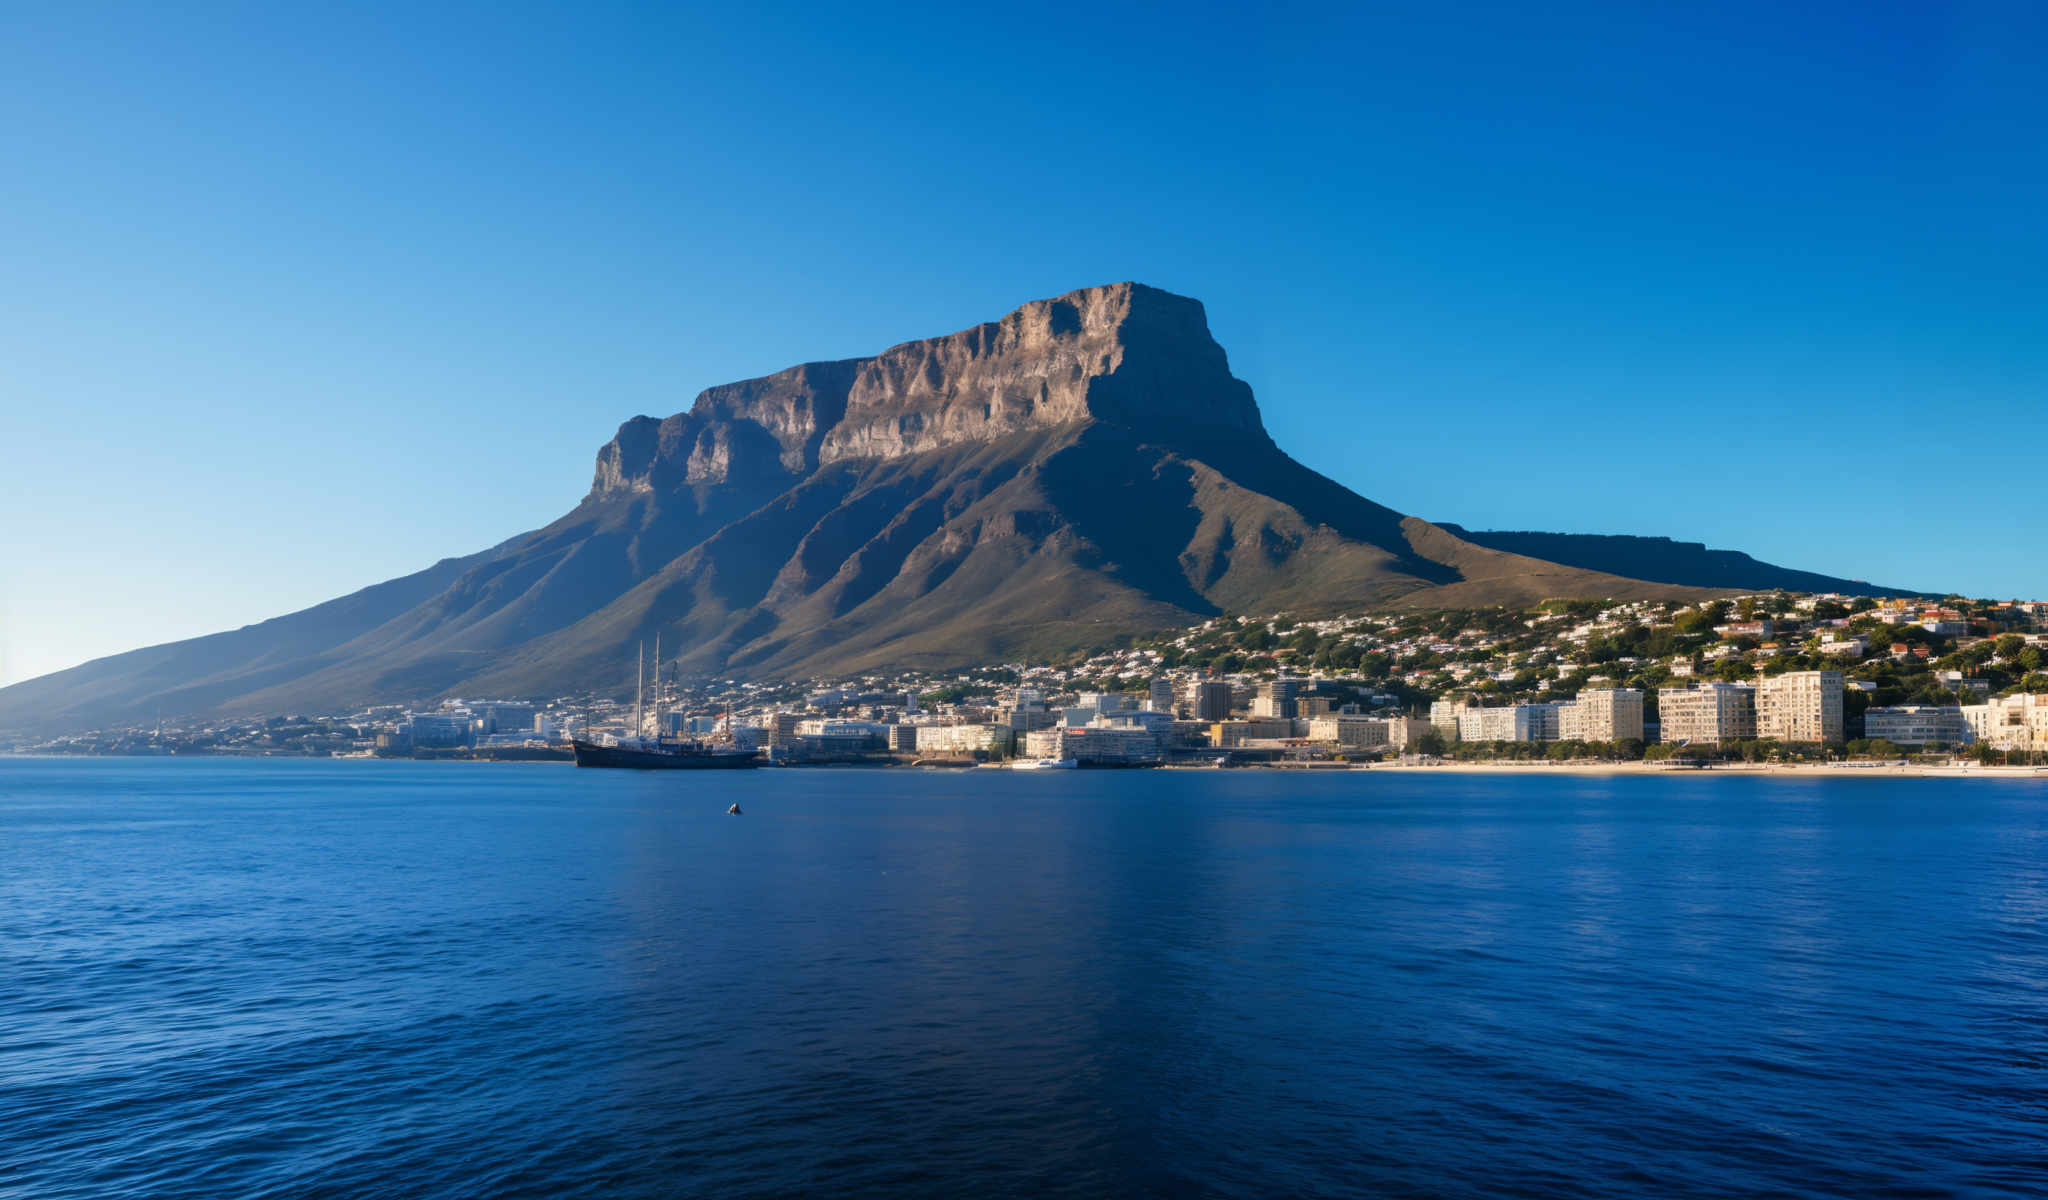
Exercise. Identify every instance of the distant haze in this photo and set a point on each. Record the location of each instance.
(304, 300)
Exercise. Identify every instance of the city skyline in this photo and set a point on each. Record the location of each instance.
(290, 326)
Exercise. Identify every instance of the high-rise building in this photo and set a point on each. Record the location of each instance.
(1276, 698)
(1443, 715)
(782, 728)
(1209, 700)
(1707, 713)
(1159, 695)
(1800, 706)
(1602, 715)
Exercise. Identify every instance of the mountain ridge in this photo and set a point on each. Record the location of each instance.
(1668, 560)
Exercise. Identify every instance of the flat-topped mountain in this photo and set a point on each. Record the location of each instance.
(1085, 466)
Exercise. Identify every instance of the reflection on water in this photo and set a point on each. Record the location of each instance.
(346, 979)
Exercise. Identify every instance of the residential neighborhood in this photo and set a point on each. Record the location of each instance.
(1770, 675)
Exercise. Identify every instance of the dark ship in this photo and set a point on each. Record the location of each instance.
(641, 754)
(665, 756)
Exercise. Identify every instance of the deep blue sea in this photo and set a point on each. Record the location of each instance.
(361, 979)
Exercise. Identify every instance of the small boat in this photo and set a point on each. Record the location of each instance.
(735, 809)
(1044, 764)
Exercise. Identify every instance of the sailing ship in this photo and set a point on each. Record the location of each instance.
(639, 752)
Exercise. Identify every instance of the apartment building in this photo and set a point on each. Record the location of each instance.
(1707, 713)
(1800, 706)
(1357, 732)
(1602, 715)
(2010, 722)
(1509, 723)
(1918, 725)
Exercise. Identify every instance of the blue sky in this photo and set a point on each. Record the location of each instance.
(297, 299)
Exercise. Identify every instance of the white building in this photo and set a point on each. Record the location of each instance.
(1509, 723)
(1100, 745)
(1602, 715)
(1800, 706)
(1706, 713)
(1350, 731)
(1918, 725)
(2010, 722)
(963, 739)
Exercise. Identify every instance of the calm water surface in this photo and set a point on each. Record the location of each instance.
(291, 979)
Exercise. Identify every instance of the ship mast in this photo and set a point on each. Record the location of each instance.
(639, 688)
(660, 696)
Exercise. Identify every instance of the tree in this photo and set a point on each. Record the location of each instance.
(1431, 743)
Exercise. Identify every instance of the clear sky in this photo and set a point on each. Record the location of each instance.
(296, 298)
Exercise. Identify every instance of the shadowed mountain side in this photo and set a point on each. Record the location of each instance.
(1662, 560)
(1032, 543)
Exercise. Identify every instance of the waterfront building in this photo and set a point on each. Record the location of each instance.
(1918, 725)
(1443, 715)
(782, 728)
(1094, 745)
(1349, 731)
(833, 735)
(438, 729)
(1237, 733)
(502, 717)
(2010, 722)
(1157, 724)
(1159, 695)
(1509, 723)
(963, 740)
(1800, 706)
(1602, 715)
(1707, 713)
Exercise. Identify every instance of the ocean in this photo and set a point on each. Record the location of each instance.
(251, 978)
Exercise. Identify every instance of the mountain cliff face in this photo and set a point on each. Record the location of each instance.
(1124, 354)
(1085, 466)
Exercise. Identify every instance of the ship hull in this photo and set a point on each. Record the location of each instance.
(590, 754)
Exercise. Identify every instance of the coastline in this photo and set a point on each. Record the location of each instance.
(1848, 770)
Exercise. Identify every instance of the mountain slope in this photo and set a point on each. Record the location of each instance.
(1662, 560)
(1083, 467)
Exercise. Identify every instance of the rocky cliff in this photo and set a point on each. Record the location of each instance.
(1126, 353)
(1085, 466)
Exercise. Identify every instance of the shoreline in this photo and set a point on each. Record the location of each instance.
(1848, 770)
